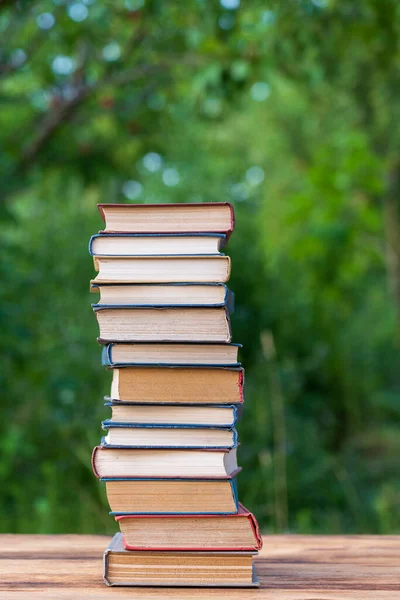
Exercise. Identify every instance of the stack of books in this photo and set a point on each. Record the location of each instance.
(168, 457)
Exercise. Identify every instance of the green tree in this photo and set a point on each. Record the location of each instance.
(288, 111)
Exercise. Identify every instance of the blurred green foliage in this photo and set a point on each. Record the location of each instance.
(290, 111)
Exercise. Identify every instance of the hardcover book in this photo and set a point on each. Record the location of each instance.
(164, 294)
(213, 385)
(178, 569)
(162, 269)
(178, 415)
(214, 217)
(157, 324)
(167, 463)
(128, 435)
(201, 355)
(234, 533)
(171, 496)
(153, 244)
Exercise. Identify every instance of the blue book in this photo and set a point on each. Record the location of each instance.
(163, 355)
(130, 435)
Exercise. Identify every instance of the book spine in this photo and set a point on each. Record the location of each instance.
(91, 244)
(94, 453)
(235, 493)
(235, 415)
(222, 242)
(106, 356)
(229, 301)
(241, 385)
(229, 232)
(109, 424)
(105, 567)
(234, 437)
(256, 531)
(228, 322)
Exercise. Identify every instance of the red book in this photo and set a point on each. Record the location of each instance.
(182, 532)
(207, 217)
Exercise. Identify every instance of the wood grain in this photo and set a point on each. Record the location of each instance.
(289, 567)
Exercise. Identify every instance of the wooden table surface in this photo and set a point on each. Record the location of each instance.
(290, 567)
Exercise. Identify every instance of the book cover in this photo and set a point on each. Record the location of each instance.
(150, 384)
(107, 359)
(226, 451)
(242, 513)
(228, 232)
(221, 236)
(184, 579)
(231, 481)
(228, 301)
(233, 407)
(180, 445)
(152, 314)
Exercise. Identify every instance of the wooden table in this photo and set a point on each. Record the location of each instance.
(290, 567)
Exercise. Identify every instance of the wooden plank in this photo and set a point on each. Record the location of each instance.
(289, 567)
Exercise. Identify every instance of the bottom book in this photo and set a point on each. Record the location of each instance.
(171, 569)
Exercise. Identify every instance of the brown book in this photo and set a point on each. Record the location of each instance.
(134, 436)
(197, 569)
(166, 414)
(157, 496)
(163, 294)
(163, 324)
(187, 385)
(238, 532)
(158, 462)
(133, 244)
(215, 217)
(162, 269)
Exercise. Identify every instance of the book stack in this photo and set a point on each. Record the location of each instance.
(168, 459)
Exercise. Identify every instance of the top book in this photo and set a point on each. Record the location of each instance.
(214, 217)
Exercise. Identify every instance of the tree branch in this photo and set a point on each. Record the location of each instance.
(66, 110)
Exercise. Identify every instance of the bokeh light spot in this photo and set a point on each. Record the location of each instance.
(132, 189)
(63, 65)
(170, 177)
(134, 4)
(152, 161)
(230, 4)
(239, 192)
(78, 12)
(17, 58)
(45, 20)
(260, 91)
(267, 17)
(111, 52)
(255, 175)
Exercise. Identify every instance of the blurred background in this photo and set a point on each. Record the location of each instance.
(290, 110)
